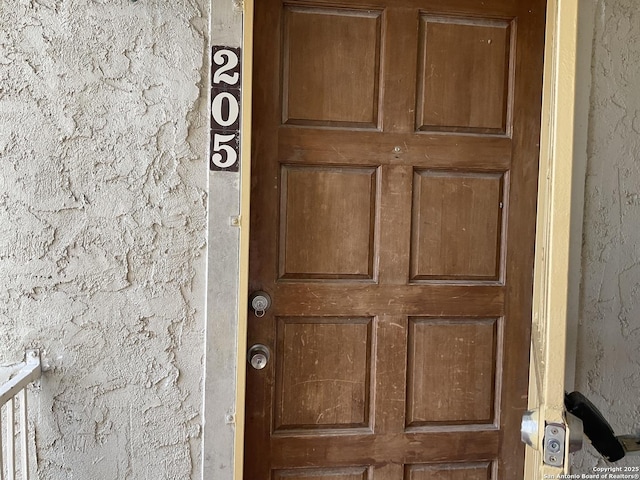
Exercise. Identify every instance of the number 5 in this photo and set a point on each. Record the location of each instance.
(220, 145)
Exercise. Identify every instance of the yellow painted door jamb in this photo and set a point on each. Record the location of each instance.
(551, 282)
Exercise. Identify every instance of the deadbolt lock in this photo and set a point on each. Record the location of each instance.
(260, 303)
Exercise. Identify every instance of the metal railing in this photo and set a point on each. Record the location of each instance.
(13, 400)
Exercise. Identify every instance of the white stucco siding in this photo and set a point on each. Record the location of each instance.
(608, 370)
(103, 175)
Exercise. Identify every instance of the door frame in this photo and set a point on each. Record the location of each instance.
(564, 200)
(563, 159)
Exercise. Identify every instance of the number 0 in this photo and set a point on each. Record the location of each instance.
(217, 111)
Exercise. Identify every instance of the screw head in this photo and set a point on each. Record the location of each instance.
(554, 446)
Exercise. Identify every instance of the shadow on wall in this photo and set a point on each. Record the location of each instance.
(608, 363)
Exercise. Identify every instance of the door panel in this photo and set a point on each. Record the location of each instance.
(463, 352)
(447, 100)
(321, 385)
(393, 209)
(359, 473)
(473, 471)
(336, 52)
(314, 225)
(457, 225)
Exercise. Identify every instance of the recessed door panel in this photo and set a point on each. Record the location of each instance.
(327, 222)
(324, 373)
(357, 473)
(454, 471)
(331, 66)
(457, 225)
(464, 75)
(451, 371)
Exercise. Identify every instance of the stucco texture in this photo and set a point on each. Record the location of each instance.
(103, 228)
(608, 370)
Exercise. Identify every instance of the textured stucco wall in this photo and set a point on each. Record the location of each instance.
(103, 175)
(608, 361)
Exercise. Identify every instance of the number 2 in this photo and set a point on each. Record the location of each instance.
(228, 60)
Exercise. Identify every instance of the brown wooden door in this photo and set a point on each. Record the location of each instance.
(393, 206)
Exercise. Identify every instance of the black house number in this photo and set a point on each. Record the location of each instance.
(225, 108)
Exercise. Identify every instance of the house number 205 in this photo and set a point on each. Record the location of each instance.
(225, 108)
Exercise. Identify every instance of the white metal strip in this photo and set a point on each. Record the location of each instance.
(1, 461)
(11, 446)
(24, 450)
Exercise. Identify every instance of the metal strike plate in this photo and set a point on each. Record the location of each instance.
(553, 448)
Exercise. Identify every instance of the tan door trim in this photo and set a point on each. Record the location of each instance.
(245, 196)
(556, 204)
(556, 199)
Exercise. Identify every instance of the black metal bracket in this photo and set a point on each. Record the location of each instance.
(597, 429)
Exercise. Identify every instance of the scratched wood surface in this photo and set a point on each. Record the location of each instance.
(393, 204)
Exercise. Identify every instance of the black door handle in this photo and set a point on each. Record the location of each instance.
(596, 428)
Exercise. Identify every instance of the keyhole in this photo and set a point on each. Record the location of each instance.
(258, 356)
(260, 303)
(259, 361)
